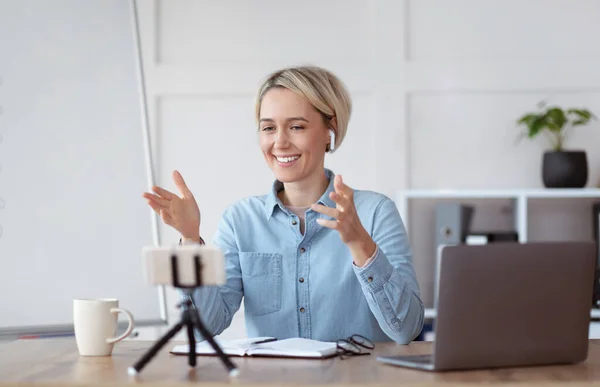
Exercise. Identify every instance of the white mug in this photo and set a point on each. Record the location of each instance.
(95, 323)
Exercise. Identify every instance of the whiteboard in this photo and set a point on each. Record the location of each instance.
(73, 164)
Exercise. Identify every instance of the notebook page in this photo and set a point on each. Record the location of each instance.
(236, 347)
(296, 347)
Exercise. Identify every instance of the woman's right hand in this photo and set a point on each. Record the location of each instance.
(181, 213)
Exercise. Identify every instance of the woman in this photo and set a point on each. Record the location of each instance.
(313, 258)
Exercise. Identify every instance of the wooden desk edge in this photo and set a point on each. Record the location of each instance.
(62, 353)
(233, 382)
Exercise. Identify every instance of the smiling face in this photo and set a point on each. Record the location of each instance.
(293, 135)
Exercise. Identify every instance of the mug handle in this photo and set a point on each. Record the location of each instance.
(127, 332)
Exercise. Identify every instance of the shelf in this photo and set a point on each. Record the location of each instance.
(500, 193)
(519, 197)
(431, 313)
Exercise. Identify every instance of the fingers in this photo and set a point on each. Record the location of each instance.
(332, 224)
(343, 202)
(331, 212)
(181, 186)
(161, 211)
(157, 208)
(342, 188)
(164, 215)
(164, 193)
(164, 203)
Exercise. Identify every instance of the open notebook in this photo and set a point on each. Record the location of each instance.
(294, 347)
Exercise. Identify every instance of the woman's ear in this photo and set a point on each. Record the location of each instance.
(333, 123)
(331, 129)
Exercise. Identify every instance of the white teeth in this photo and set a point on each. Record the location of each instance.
(287, 159)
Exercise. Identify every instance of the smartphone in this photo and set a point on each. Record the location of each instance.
(160, 262)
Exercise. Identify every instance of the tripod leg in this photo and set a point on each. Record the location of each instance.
(137, 367)
(233, 371)
(192, 343)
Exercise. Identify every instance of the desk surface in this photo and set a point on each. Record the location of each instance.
(56, 361)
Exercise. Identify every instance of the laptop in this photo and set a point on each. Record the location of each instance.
(510, 304)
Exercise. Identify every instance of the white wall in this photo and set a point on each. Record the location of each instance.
(437, 86)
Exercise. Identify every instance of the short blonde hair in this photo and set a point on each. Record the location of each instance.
(320, 87)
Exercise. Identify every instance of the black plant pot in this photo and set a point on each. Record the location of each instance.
(565, 169)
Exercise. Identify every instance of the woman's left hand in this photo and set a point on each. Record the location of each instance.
(347, 222)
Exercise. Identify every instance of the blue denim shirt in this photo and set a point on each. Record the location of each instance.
(296, 285)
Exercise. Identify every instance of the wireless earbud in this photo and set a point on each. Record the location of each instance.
(332, 145)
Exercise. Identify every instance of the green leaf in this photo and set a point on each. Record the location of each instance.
(582, 113)
(527, 119)
(582, 116)
(555, 119)
(536, 126)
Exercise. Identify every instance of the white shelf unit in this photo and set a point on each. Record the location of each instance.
(520, 198)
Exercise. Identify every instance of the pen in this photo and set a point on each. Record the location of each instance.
(265, 341)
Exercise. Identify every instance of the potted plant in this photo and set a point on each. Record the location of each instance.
(561, 168)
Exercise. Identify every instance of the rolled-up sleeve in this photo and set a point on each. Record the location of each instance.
(389, 281)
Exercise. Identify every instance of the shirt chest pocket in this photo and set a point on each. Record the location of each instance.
(262, 280)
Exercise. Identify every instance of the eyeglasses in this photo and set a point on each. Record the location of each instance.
(353, 346)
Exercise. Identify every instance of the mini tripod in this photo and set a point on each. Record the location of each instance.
(191, 320)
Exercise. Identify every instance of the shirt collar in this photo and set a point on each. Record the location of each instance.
(273, 201)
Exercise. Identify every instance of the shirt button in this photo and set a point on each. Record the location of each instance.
(301, 279)
(370, 279)
(301, 310)
(294, 222)
(302, 250)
